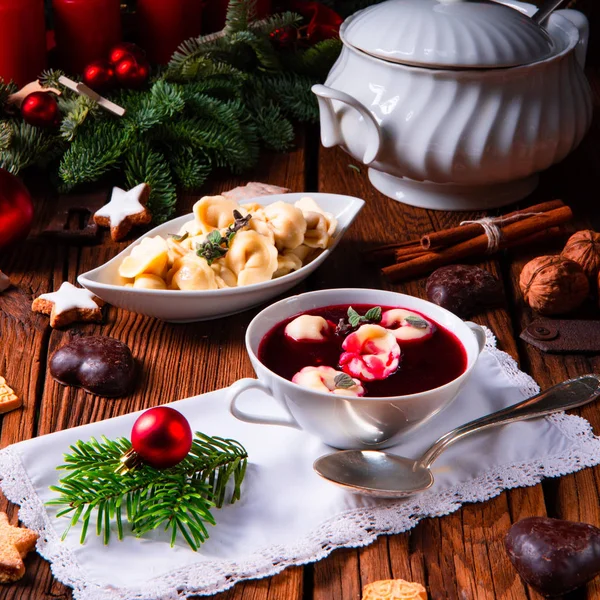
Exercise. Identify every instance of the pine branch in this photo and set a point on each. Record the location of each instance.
(76, 110)
(180, 498)
(92, 155)
(149, 166)
(6, 135)
(29, 145)
(189, 169)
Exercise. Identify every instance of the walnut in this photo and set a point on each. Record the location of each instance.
(553, 284)
(584, 248)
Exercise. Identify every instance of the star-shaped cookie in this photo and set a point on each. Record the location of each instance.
(68, 305)
(125, 210)
(8, 399)
(15, 543)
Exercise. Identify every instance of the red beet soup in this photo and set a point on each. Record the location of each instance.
(430, 358)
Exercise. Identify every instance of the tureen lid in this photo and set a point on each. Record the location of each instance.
(448, 33)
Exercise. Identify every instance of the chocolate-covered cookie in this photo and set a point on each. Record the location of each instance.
(554, 556)
(463, 289)
(100, 365)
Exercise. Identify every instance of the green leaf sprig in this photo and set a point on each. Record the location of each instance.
(417, 322)
(216, 246)
(354, 320)
(179, 238)
(180, 499)
(343, 381)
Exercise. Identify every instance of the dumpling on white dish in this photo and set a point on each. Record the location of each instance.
(308, 205)
(192, 272)
(371, 353)
(251, 257)
(308, 328)
(323, 379)
(287, 263)
(211, 212)
(407, 325)
(287, 223)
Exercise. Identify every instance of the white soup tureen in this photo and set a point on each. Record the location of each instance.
(457, 104)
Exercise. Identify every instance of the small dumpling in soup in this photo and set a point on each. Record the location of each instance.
(251, 257)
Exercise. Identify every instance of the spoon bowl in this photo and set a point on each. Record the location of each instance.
(374, 473)
(385, 475)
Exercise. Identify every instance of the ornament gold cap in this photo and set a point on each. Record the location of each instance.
(128, 462)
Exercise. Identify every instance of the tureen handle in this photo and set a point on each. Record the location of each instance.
(580, 21)
(331, 134)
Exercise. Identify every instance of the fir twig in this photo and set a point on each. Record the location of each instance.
(180, 499)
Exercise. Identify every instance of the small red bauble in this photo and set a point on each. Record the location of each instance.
(99, 75)
(132, 73)
(41, 110)
(125, 50)
(162, 437)
(16, 209)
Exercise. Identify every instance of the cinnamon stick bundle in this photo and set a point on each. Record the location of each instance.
(454, 235)
(513, 233)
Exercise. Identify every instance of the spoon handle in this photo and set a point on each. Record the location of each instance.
(545, 10)
(564, 396)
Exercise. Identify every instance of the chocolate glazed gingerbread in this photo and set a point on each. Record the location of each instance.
(100, 365)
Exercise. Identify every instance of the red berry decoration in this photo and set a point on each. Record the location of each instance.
(41, 110)
(99, 75)
(162, 437)
(16, 209)
(125, 50)
(132, 73)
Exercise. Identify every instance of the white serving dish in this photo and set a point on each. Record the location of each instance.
(178, 306)
(345, 421)
(455, 104)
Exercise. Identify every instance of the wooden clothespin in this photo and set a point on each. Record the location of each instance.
(84, 90)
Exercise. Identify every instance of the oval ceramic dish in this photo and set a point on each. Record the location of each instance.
(180, 306)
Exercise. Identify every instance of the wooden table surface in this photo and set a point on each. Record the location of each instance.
(460, 556)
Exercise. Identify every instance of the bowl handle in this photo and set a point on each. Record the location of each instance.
(479, 334)
(246, 384)
(331, 134)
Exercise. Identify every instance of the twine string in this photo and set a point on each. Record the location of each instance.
(491, 227)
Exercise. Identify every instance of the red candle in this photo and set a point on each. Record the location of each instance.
(164, 24)
(85, 31)
(22, 40)
(216, 10)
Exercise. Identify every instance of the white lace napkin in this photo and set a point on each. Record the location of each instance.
(288, 515)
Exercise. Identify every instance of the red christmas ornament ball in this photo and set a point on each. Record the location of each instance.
(125, 50)
(162, 437)
(41, 110)
(99, 75)
(132, 73)
(16, 209)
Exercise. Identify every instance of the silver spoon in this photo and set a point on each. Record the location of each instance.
(377, 473)
(545, 10)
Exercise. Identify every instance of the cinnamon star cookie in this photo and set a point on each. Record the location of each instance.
(8, 399)
(69, 304)
(125, 210)
(15, 543)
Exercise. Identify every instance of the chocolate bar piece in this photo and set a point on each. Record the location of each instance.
(558, 336)
(73, 218)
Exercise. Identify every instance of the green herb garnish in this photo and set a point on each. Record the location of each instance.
(373, 315)
(343, 381)
(216, 245)
(417, 322)
(179, 238)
